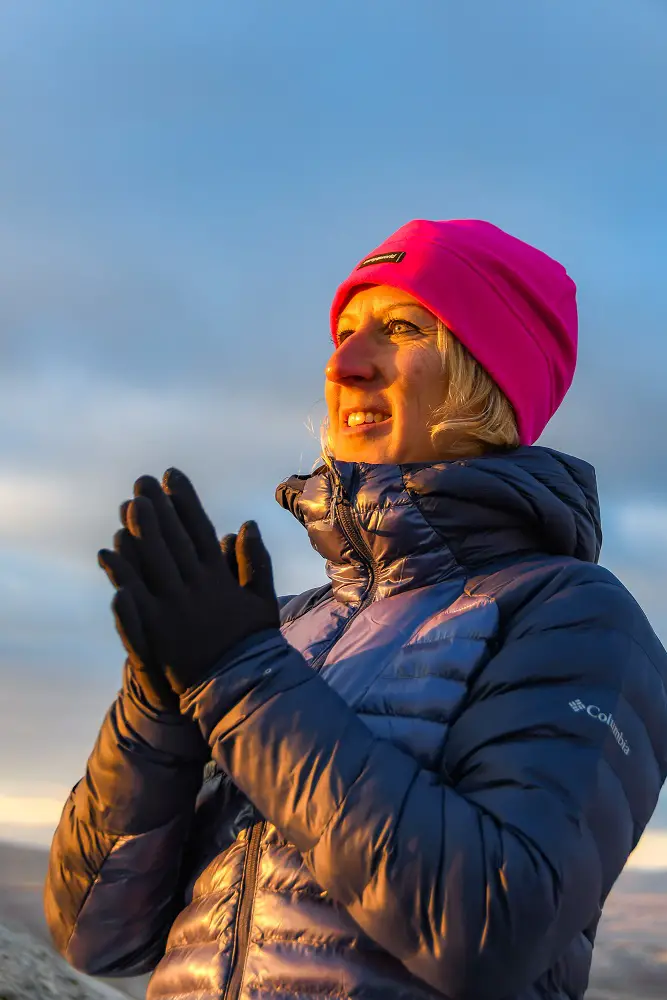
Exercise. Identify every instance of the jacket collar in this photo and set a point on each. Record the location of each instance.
(422, 523)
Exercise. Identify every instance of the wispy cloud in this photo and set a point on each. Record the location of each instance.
(80, 443)
(30, 810)
(643, 523)
(650, 852)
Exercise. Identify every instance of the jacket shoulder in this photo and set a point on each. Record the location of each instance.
(552, 592)
(294, 605)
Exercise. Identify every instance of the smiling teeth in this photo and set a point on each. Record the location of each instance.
(365, 417)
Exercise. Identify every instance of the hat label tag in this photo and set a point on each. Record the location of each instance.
(383, 258)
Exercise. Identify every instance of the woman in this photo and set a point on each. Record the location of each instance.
(426, 775)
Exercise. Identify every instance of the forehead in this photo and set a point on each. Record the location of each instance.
(375, 299)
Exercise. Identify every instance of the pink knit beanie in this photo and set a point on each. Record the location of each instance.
(512, 306)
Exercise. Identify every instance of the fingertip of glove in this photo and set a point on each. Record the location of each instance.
(145, 485)
(141, 502)
(171, 478)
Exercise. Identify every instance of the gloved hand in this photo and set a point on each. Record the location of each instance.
(145, 670)
(177, 585)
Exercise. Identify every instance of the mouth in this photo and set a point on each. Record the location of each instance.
(367, 427)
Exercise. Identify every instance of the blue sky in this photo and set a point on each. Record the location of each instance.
(181, 189)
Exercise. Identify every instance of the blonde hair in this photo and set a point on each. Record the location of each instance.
(474, 417)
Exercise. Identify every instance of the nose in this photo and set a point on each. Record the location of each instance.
(352, 361)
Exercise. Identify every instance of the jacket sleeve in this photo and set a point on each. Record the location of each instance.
(478, 880)
(111, 891)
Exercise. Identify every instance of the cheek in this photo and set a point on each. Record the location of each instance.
(420, 370)
(330, 393)
(422, 390)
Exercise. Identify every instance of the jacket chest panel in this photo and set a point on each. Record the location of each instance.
(404, 662)
(422, 687)
(314, 632)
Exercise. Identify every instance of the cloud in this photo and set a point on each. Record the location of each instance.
(80, 443)
(650, 852)
(77, 444)
(614, 419)
(31, 810)
(643, 524)
(28, 500)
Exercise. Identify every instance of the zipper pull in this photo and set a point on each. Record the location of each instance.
(335, 499)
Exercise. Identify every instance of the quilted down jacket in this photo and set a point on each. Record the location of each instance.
(423, 785)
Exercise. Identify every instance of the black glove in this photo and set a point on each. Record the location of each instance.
(191, 598)
(145, 669)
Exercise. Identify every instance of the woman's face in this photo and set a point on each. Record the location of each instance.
(387, 362)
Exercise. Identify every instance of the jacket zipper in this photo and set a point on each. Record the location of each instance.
(244, 918)
(350, 531)
(249, 883)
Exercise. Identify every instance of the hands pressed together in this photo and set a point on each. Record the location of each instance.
(184, 599)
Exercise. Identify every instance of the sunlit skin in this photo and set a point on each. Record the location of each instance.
(386, 360)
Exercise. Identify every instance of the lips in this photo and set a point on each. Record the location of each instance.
(378, 407)
(380, 427)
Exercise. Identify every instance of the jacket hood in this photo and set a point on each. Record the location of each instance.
(423, 522)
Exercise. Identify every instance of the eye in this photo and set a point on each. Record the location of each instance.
(391, 326)
(401, 326)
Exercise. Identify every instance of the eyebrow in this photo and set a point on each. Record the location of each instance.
(394, 305)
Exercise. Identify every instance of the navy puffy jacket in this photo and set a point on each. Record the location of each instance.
(425, 784)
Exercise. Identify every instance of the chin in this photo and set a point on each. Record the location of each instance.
(371, 457)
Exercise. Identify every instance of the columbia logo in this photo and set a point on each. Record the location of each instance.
(596, 712)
